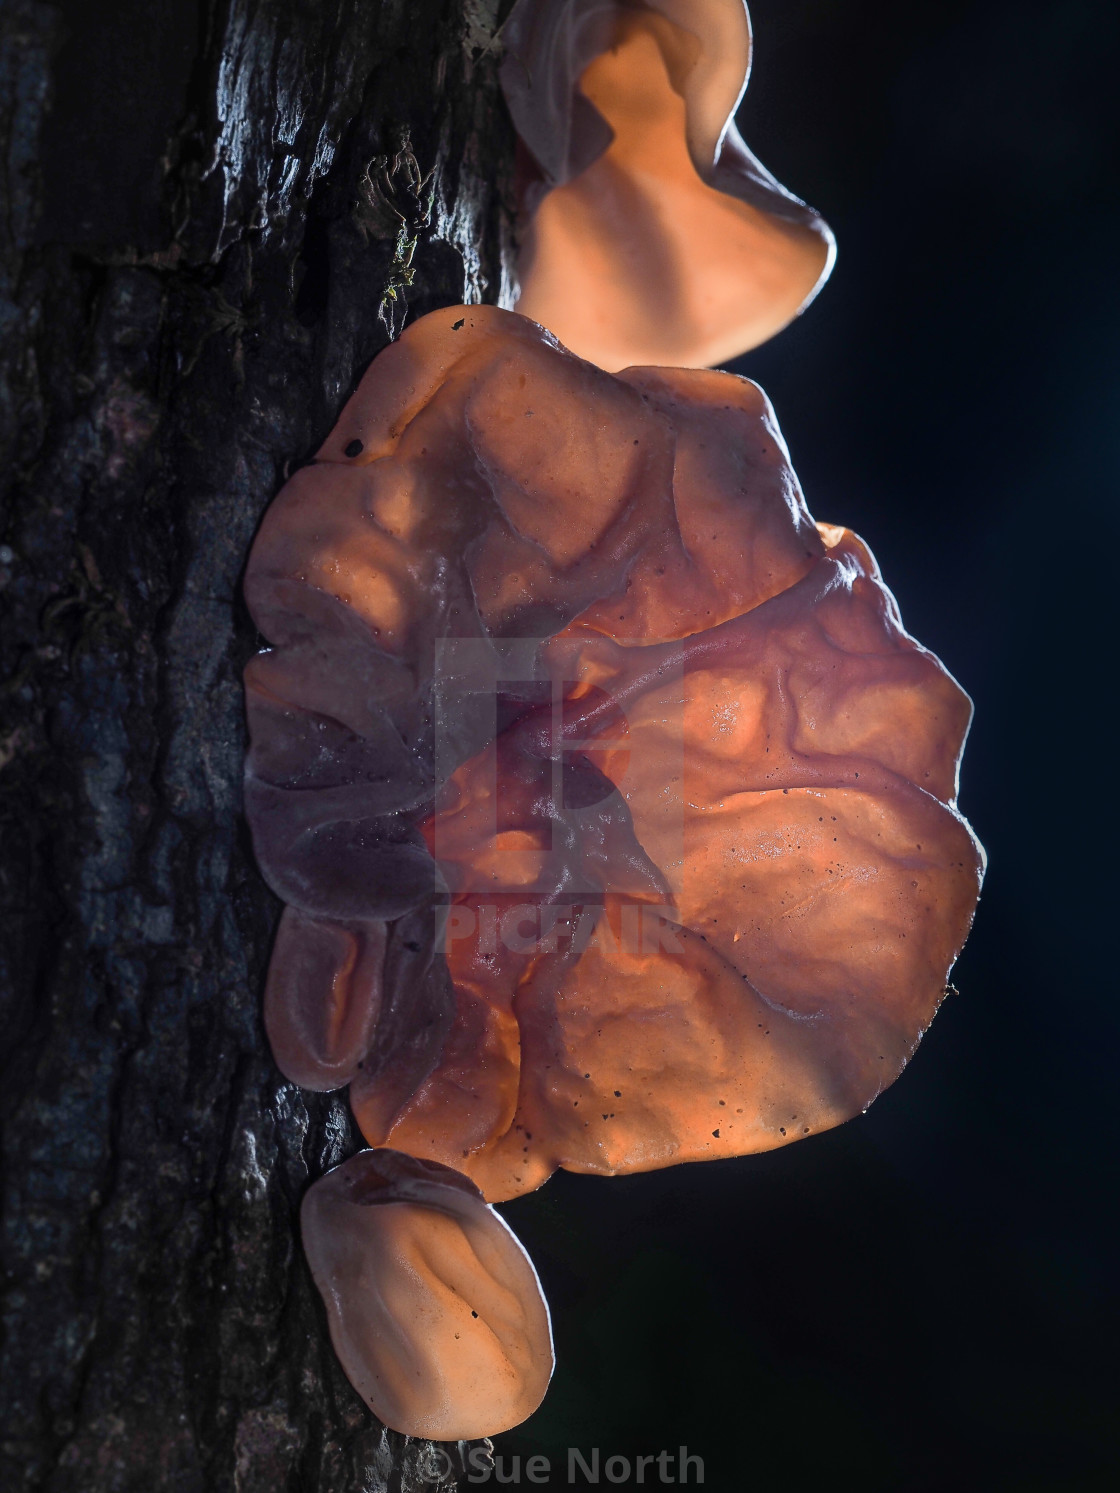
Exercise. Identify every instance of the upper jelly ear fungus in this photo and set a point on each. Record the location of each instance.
(651, 234)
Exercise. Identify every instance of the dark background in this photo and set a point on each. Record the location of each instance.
(924, 1298)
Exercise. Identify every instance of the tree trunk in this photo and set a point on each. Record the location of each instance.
(217, 214)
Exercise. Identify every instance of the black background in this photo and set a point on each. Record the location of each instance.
(924, 1298)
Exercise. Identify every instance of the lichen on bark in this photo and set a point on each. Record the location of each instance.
(216, 215)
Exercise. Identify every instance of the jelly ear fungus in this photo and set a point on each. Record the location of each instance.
(724, 925)
(435, 1310)
(718, 784)
(650, 233)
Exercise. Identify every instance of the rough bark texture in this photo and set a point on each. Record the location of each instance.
(214, 212)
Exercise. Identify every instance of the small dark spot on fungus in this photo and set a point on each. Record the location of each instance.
(455, 325)
(354, 448)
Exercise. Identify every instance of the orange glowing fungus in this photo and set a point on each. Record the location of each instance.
(435, 1310)
(614, 808)
(652, 233)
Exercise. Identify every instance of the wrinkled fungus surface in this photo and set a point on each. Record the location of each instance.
(613, 807)
(652, 233)
(435, 1309)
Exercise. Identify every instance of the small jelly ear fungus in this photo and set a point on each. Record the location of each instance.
(653, 235)
(435, 1310)
(323, 998)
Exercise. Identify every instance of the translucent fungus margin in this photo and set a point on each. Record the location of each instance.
(651, 233)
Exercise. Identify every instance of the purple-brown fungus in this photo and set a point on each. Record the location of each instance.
(614, 807)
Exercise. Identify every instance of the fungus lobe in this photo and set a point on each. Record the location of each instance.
(614, 808)
(435, 1310)
(651, 233)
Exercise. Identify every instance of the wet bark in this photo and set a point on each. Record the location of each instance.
(216, 215)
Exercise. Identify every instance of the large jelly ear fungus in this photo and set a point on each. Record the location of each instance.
(435, 1310)
(652, 233)
(613, 805)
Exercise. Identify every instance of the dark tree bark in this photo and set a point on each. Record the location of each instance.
(216, 213)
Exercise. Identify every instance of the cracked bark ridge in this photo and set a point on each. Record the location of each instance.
(216, 214)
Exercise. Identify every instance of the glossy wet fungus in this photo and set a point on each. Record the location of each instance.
(613, 808)
(651, 233)
(435, 1310)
